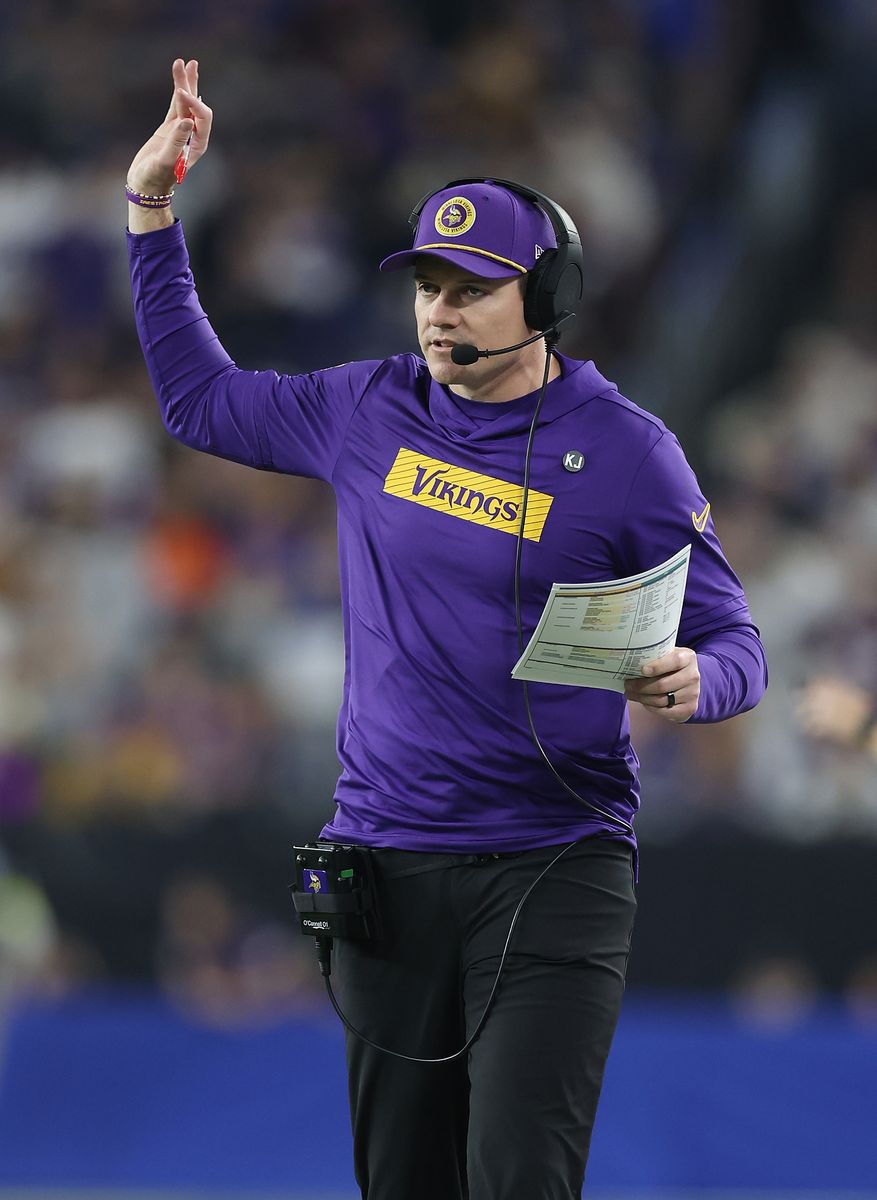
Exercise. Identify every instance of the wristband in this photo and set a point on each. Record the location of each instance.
(148, 201)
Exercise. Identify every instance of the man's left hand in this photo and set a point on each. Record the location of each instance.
(669, 686)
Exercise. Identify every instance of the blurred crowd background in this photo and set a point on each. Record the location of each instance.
(170, 653)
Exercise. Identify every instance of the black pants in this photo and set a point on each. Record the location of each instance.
(514, 1121)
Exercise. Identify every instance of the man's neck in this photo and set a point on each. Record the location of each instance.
(522, 376)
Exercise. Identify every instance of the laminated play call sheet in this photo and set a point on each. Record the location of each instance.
(599, 634)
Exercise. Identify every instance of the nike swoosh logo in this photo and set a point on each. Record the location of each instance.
(699, 522)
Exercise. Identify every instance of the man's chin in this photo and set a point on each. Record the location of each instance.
(444, 371)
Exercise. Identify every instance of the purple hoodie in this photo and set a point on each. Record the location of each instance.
(433, 740)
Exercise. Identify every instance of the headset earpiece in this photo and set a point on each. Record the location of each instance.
(539, 309)
(554, 287)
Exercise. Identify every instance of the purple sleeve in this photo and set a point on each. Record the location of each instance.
(295, 424)
(733, 674)
(664, 512)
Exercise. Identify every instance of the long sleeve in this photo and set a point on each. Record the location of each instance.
(733, 673)
(295, 424)
(666, 509)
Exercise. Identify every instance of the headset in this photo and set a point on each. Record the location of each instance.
(556, 283)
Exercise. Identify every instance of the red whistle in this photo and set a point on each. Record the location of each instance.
(181, 166)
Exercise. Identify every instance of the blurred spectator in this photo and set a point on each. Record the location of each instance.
(37, 959)
(775, 994)
(224, 966)
(838, 711)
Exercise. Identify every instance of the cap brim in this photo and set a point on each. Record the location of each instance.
(479, 264)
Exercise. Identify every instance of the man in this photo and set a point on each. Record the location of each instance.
(440, 774)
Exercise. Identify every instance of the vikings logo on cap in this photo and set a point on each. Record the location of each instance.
(455, 216)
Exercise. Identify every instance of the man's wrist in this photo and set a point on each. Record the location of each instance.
(147, 220)
(148, 207)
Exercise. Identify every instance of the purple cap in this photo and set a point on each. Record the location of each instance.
(481, 227)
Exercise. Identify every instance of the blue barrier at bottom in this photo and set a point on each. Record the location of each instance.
(120, 1091)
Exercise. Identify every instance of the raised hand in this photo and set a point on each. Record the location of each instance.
(152, 171)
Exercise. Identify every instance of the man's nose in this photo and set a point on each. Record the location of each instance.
(442, 312)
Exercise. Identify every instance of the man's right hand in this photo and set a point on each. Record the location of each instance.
(152, 171)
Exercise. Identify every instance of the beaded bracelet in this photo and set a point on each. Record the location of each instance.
(148, 201)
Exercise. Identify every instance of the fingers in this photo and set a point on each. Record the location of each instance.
(191, 106)
(656, 697)
(676, 673)
(671, 673)
(178, 72)
(185, 77)
(684, 706)
(674, 660)
(185, 129)
(681, 688)
(202, 115)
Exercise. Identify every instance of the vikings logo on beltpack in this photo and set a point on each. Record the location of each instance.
(455, 216)
(315, 881)
(482, 499)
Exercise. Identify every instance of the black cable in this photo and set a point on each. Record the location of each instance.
(551, 339)
(324, 956)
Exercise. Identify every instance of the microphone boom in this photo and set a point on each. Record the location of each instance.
(465, 354)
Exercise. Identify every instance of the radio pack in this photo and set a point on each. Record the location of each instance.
(334, 892)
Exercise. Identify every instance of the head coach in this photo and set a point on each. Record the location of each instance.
(467, 479)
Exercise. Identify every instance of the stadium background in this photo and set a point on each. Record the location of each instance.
(169, 630)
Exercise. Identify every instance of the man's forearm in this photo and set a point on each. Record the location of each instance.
(147, 220)
(733, 673)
